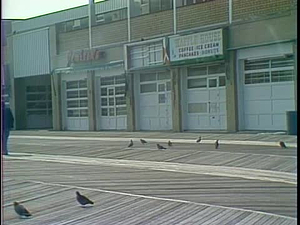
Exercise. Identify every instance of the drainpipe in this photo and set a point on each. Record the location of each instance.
(128, 21)
(90, 24)
(174, 17)
(230, 11)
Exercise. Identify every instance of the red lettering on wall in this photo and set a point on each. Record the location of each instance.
(85, 55)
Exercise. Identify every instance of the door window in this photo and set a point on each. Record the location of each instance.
(212, 83)
(38, 100)
(269, 70)
(113, 102)
(77, 99)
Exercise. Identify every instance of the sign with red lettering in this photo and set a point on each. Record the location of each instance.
(85, 56)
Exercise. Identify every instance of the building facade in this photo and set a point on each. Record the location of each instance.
(208, 65)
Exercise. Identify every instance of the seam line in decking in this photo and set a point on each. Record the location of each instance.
(161, 199)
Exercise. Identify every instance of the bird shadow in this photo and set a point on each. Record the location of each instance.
(86, 206)
(25, 217)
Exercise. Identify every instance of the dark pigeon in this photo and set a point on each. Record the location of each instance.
(170, 143)
(217, 144)
(130, 144)
(282, 144)
(160, 147)
(21, 210)
(143, 141)
(198, 140)
(83, 200)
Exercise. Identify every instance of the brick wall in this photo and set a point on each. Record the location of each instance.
(207, 13)
(152, 25)
(259, 9)
(101, 35)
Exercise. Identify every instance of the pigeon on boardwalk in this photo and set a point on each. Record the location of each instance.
(21, 210)
(170, 143)
(217, 144)
(198, 140)
(160, 147)
(282, 144)
(82, 199)
(130, 144)
(143, 141)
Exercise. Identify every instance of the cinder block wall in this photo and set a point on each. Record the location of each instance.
(203, 14)
(152, 25)
(114, 32)
(255, 9)
(188, 17)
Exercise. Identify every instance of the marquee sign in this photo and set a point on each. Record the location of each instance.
(197, 45)
(85, 55)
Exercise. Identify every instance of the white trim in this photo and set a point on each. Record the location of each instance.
(137, 43)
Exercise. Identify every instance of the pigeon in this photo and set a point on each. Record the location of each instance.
(130, 144)
(143, 141)
(160, 147)
(198, 140)
(82, 199)
(217, 144)
(170, 143)
(21, 210)
(282, 144)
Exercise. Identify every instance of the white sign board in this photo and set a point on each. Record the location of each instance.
(196, 45)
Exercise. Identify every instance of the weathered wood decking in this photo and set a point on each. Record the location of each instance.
(57, 205)
(144, 194)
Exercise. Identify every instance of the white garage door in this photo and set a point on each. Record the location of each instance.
(112, 103)
(75, 105)
(205, 98)
(155, 101)
(268, 93)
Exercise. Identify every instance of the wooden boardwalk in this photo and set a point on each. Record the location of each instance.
(253, 157)
(149, 186)
(135, 196)
(52, 204)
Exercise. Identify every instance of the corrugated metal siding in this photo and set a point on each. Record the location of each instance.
(66, 15)
(31, 53)
(110, 6)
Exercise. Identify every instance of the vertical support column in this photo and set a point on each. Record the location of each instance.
(176, 100)
(231, 85)
(56, 101)
(12, 97)
(20, 104)
(231, 92)
(91, 100)
(295, 72)
(9, 59)
(129, 93)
